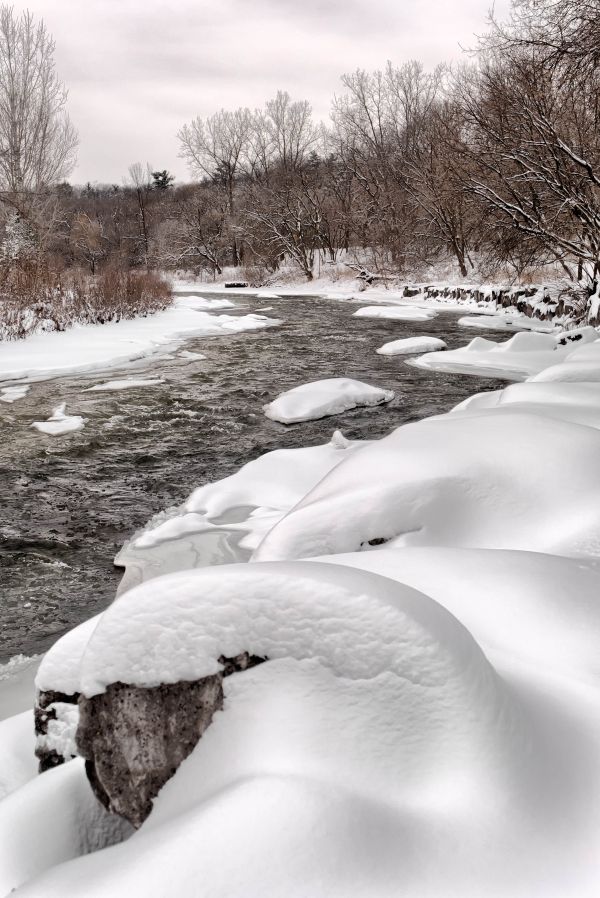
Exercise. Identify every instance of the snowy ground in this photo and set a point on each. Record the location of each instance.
(91, 347)
(427, 723)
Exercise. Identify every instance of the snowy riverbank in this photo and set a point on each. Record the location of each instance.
(422, 620)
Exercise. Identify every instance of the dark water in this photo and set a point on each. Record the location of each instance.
(68, 503)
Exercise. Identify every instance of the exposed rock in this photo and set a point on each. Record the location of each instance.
(134, 739)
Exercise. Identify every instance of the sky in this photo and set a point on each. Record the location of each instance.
(137, 70)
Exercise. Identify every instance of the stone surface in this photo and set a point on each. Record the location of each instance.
(46, 710)
(134, 739)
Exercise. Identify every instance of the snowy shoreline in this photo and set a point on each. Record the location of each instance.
(424, 611)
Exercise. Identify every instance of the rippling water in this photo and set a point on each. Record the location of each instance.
(68, 503)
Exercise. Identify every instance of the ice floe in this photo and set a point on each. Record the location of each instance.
(396, 313)
(11, 394)
(129, 383)
(59, 422)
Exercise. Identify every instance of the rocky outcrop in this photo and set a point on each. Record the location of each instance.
(133, 739)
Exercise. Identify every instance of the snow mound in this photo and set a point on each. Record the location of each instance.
(18, 763)
(506, 323)
(576, 402)
(570, 371)
(226, 520)
(395, 313)
(410, 345)
(59, 422)
(514, 480)
(522, 356)
(129, 383)
(11, 394)
(321, 398)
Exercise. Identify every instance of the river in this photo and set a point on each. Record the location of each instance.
(69, 502)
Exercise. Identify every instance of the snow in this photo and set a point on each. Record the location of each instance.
(17, 689)
(510, 480)
(207, 304)
(11, 394)
(396, 313)
(507, 323)
(61, 729)
(410, 345)
(127, 384)
(321, 398)
(86, 348)
(18, 763)
(523, 355)
(225, 520)
(60, 423)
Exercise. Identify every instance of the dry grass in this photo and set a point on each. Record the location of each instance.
(42, 298)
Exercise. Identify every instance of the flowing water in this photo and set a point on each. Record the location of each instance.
(67, 503)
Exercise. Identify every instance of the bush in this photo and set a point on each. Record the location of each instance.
(42, 298)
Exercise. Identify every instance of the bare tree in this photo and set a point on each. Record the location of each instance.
(37, 139)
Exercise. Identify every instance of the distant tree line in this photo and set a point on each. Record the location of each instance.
(495, 163)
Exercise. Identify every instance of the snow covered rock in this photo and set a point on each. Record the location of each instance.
(481, 480)
(396, 313)
(59, 422)
(321, 398)
(411, 345)
(134, 739)
(520, 357)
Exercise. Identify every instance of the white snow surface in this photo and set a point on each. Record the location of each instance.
(507, 322)
(128, 383)
(522, 356)
(321, 398)
(60, 423)
(510, 480)
(411, 345)
(396, 313)
(244, 506)
(87, 348)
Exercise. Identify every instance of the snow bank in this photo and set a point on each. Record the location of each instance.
(11, 394)
(507, 323)
(324, 397)
(377, 724)
(514, 480)
(59, 422)
(130, 383)
(410, 345)
(395, 313)
(207, 304)
(576, 402)
(523, 356)
(17, 690)
(226, 520)
(18, 763)
(85, 348)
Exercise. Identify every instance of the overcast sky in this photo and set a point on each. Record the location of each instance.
(137, 70)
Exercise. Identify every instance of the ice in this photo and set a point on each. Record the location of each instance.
(396, 313)
(522, 356)
(410, 345)
(59, 422)
(192, 356)
(11, 394)
(324, 397)
(17, 690)
(511, 480)
(226, 520)
(127, 384)
(89, 347)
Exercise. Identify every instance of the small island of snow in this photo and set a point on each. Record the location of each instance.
(59, 422)
(409, 345)
(324, 397)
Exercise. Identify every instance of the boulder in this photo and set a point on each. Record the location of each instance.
(133, 739)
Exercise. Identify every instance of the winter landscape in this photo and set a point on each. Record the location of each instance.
(299, 441)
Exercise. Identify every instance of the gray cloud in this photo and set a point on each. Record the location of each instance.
(138, 69)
